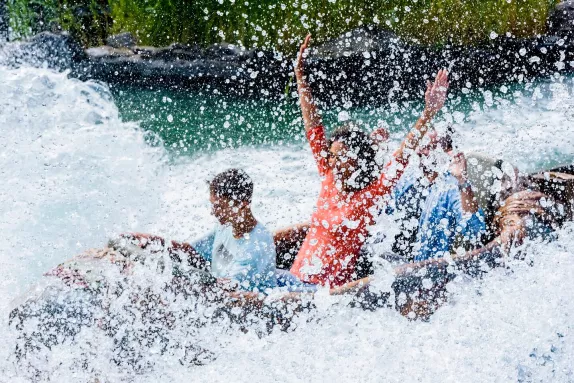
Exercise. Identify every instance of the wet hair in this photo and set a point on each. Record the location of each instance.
(232, 184)
(446, 139)
(361, 144)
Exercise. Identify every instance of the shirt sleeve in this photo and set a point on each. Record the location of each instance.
(472, 226)
(318, 142)
(204, 246)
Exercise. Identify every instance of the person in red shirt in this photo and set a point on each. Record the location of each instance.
(352, 184)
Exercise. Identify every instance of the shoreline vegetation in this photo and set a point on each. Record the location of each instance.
(279, 25)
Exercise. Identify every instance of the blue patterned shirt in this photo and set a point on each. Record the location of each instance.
(431, 216)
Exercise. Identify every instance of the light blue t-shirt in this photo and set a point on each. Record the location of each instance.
(250, 260)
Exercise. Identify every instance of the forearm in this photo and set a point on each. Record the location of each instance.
(144, 240)
(468, 201)
(194, 259)
(413, 138)
(414, 267)
(472, 263)
(311, 116)
(435, 97)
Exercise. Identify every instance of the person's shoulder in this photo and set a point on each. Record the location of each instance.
(409, 179)
(222, 231)
(264, 236)
(261, 231)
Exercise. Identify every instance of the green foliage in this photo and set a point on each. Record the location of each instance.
(281, 24)
(87, 20)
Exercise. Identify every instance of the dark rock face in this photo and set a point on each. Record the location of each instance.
(373, 66)
(225, 66)
(366, 65)
(56, 51)
(121, 40)
(561, 20)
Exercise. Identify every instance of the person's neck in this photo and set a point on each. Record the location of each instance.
(244, 224)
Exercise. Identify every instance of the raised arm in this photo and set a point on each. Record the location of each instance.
(435, 96)
(311, 117)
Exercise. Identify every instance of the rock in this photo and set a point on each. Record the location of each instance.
(232, 69)
(55, 50)
(121, 40)
(224, 51)
(368, 65)
(561, 20)
(173, 52)
(360, 41)
(107, 51)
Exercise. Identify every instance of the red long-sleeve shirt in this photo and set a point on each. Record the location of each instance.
(339, 224)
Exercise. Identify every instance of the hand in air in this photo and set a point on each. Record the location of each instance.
(435, 95)
(299, 71)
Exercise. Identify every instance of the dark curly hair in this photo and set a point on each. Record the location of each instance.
(361, 144)
(232, 184)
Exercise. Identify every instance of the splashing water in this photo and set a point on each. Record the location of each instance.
(75, 174)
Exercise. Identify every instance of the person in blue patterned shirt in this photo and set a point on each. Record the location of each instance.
(435, 210)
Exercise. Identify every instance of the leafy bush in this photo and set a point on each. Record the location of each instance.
(280, 24)
(88, 20)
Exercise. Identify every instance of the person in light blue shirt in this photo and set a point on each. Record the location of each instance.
(240, 249)
(240, 252)
(435, 210)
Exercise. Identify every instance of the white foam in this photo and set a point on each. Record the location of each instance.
(533, 131)
(74, 174)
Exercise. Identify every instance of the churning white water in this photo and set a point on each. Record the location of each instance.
(74, 174)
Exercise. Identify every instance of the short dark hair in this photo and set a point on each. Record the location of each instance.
(232, 184)
(446, 139)
(363, 146)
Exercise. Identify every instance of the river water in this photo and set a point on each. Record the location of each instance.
(81, 163)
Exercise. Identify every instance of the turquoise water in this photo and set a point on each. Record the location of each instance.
(191, 123)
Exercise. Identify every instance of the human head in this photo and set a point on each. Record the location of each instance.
(352, 156)
(435, 145)
(230, 194)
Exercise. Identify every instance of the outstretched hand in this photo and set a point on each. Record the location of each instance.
(435, 95)
(299, 64)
